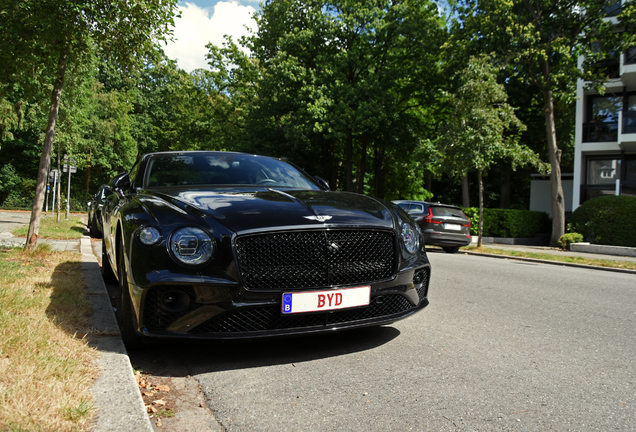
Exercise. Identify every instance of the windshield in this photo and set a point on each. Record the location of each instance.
(223, 169)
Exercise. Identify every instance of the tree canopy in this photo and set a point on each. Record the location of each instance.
(364, 94)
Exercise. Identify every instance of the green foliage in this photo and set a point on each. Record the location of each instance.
(9, 179)
(607, 220)
(343, 89)
(483, 127)
(567, 239)
(508, 222)
(539, 43)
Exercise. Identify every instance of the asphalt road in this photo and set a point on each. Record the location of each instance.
(504, 346)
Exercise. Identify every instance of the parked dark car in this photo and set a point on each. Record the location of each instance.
(220, 245)
(442, 224)
(94, 219)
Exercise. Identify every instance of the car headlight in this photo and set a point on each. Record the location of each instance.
(410, 238)
(149, 236)
(191, 246)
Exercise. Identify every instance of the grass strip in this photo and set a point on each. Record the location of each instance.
(66, 229)
(46, 365)
(551, 257)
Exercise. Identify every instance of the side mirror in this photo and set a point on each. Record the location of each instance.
(121, 182)
(322, 183)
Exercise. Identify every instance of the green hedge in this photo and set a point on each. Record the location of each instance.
(509, 223)
(15, 203)
(607, 220)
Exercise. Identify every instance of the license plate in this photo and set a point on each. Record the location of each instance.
(453, 227)
(317, 301)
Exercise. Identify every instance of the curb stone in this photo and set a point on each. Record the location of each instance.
(118, 402)
(542, 261)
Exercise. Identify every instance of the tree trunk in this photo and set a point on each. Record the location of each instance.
(349, 161)
(558, 201)
(58, 198)
(362, 168)
(88, 171)
(465, 192)
(379, 173)
(481, 208)
(45, 158)
(328, 147)
(504, 195)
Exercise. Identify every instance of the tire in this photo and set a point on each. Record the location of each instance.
(451, 249)
(95, 233)
(107, 270)
(124, 314)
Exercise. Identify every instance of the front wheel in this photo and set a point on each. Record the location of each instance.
(94, 230)
(451, 249)
(124, 313)
(107, 270)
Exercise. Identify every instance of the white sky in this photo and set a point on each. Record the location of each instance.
(204, 21)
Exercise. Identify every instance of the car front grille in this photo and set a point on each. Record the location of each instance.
(311, 259)
(268, 318)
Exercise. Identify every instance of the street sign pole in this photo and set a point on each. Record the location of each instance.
(68, 195)
(54, 188)
(69, 165)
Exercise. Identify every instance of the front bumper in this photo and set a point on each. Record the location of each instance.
(446, 239)
(217, 312)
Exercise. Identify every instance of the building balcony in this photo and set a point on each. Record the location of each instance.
(628, 67)
(600, 132)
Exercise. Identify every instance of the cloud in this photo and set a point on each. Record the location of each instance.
(196, 28)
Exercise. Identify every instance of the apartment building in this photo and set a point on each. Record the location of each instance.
(605, 138)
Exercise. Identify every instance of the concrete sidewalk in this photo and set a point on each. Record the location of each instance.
(117, 399)
(560, 252)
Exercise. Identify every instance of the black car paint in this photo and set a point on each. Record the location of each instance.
(94, 218)
(229, 212)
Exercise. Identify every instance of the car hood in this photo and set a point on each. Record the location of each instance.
(242, 210)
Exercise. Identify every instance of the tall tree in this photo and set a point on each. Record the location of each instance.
(540, 41)
(342, 85)
(483, 128)
(41, 37)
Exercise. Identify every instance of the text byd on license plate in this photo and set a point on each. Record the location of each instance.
(453, 227)
(316, 301)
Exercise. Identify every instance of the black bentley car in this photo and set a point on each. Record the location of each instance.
(220, 245)
(95, 210)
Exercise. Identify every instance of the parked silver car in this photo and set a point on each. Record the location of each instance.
(442, 224)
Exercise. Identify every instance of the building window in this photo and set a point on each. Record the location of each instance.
(630, 56)
(613, 9)
(603, 171)
(602, 119)
(600, 178)
(628, 186)
(629, 115)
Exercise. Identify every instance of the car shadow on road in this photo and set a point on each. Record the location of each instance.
(190, 358)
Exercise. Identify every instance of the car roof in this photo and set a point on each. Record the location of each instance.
(434, 204)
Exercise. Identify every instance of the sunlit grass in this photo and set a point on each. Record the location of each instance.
(553, 257)
(71, 228)
(46, 365)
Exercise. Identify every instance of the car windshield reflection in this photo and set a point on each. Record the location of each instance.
(233, 169)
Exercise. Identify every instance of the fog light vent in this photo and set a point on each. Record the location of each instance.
(175, 301)
(419, 277)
